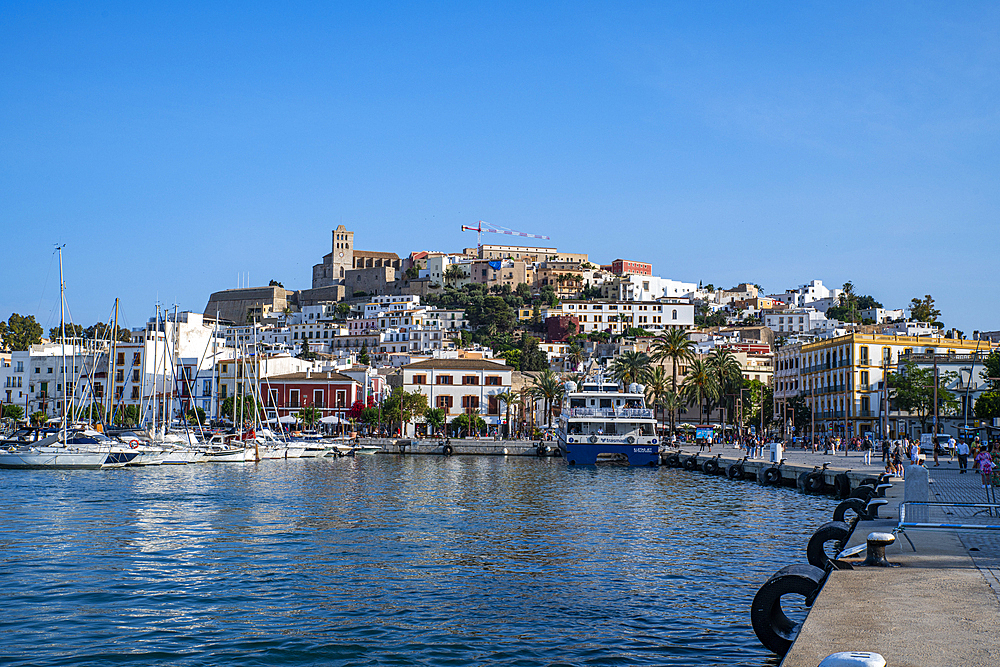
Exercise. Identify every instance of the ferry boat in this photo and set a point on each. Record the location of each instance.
(601, 420)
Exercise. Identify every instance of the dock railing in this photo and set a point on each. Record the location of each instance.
(954, 516)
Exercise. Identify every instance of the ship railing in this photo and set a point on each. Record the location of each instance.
(634, 413)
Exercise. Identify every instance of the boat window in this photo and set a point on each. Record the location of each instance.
(577, 402)
(647, 429)
(605, 402)
(609, 428)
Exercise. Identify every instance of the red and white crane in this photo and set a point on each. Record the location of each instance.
(497, 229)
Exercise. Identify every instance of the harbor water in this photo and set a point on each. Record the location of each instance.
(390, 560)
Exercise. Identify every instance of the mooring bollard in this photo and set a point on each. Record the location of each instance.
(871, 508)
(880, 489)
(853, 659)
(877, 542)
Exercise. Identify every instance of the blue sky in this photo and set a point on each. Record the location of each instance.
(177, 145)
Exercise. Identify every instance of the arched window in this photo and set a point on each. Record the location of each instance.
(675, 314)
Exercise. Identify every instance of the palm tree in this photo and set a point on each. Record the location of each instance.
(657, 384)
(435, 418)
(700, 385)
(550, 390)
(676, 346)
(509, 398)
(728, 373)
(629, 367)
(575, 354)
(453, 274)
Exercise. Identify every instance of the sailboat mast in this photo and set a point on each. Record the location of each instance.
(62, 336)
(113, 367)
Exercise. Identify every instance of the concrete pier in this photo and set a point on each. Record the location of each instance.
(459, 446)
(938, 607)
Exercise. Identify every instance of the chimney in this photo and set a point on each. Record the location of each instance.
(308, 373)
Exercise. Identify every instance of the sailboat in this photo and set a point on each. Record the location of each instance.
(64, 448)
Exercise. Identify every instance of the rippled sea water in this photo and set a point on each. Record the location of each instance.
(387, 560)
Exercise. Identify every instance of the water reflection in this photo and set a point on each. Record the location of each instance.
(386, 559)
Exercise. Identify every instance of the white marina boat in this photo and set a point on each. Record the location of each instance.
(76, 449)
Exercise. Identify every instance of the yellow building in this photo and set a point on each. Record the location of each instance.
(842, 377)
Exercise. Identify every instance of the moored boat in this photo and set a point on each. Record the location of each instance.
(600, 420)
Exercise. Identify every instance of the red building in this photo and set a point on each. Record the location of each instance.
(620, 267)
(331, 393)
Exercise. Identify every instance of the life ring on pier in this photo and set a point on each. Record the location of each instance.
(592, 439)
(855, 504)
(773, 628)
(710, 467)
(447, 450)
(815, 551)
(842, 485)
(735, 471)
(815, 482)
(771, 476)
(691, 462)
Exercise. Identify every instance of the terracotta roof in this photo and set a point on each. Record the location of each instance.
(318, 376)
(372, 253)
(459, 364)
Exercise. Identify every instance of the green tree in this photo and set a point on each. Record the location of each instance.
(13, 412)
(453, 274)
(991, 370)
(469, 424)
(512, 357)
(532, 358)
(363, 357)
(923, 310)
(309, 415)
(127, 416)
(21, 332)
(728, 378)
(38, 418)
(700, 385)
(575, 354)
(72, 331)
(550, 390)
(435, 418)
(194, 415)
(629, 367)
(102, 331)
(245, 408)
(987, 405)
(913, 392)
(401, 406)
(342, 310)
(676, 346)
(508, 398)
(657, 386)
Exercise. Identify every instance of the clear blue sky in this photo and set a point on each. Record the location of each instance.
(173, 146)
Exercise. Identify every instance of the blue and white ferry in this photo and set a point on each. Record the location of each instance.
(600, 420)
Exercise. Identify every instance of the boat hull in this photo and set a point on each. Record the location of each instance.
(585, 450)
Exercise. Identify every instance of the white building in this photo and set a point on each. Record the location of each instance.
(634, 287)
(911, 328)
(460, 386)
(618, 316)
(882, 315)
(813, 294)
(800, 320)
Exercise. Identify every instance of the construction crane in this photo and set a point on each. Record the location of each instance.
(497, 229)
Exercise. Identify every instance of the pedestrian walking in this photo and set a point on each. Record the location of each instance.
(867, 446)
(885, 450)
(962, 449)
(897, 461)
